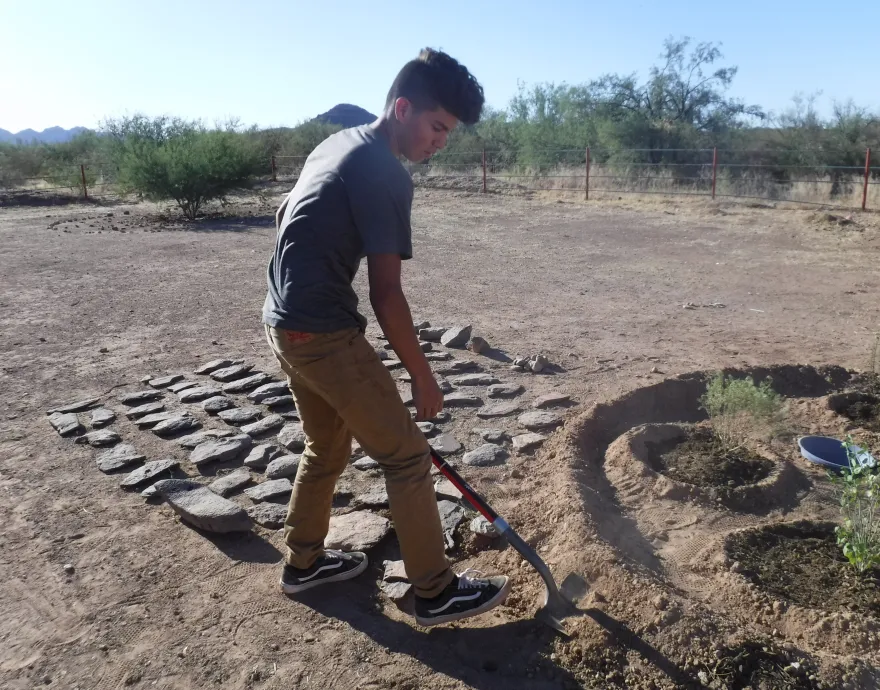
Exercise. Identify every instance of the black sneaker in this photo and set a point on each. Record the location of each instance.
(333, 566)
(465, 596)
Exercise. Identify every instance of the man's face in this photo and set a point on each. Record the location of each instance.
(424, 132)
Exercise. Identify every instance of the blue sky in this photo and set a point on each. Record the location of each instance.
(278, 62)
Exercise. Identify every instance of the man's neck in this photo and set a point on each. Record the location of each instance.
(385, 128)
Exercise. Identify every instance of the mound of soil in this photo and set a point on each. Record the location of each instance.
(698, 459)
(801, 562)
(865, 413)
(759, 664)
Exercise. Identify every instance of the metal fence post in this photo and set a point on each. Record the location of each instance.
(867, 178)
(274, 177)
(714, 169)
(484, 170)
(587, 185)
(82, 171)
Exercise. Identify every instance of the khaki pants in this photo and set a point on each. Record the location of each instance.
(342, 390)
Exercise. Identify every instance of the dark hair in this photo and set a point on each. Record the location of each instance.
(435, 79)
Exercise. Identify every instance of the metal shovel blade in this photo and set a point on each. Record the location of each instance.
(560, 603)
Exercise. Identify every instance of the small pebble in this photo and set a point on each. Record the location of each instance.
(68, 568)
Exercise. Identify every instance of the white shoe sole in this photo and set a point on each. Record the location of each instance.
(497, 600)
(347, 575)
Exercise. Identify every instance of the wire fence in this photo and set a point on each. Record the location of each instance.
(590, 174)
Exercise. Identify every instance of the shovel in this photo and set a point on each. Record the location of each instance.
(558, 601)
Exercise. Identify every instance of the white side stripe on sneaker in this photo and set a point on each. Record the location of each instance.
(469, 597)
(338, 564)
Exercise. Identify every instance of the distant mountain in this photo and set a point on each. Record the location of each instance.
(53, 135)
(347, 115)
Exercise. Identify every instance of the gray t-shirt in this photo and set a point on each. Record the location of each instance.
(353, 198)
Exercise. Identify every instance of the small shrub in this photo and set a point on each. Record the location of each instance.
(739, 410)
(859, 487)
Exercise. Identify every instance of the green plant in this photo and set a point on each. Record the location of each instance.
(738, 409)
(859, 487)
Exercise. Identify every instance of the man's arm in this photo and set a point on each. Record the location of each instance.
(393, 314)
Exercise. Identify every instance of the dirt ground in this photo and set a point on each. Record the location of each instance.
(92, 302)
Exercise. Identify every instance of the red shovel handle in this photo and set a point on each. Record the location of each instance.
(469, 494)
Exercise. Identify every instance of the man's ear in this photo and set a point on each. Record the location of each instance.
(403, 110)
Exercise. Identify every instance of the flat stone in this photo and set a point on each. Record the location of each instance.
(497, 436)
(382, 354)
(441, 418)
(216, 404)
(527, 442)
(551, 400)
(432, 335)
(246, 384)
(538, 363)
(474, 380)
(427, 428)
(290, 415)
(212, 366)
(457, 367)
(220, 450)
(485, 456)
(65, 423)
(438, 356)
(365, 464)
(240, 415)
(360, 530)
(164, 381)
(395, 571)
(446, 489)
(100, 438)
(377, 497)
(102, 417)
(457, 336)
(270, 489)
(451, 514)
(182, 386)
(268, 390)
(76, 406)
(498, 410)
(229, 373)
(148, 471)
(263, 426)
(293, 437)
(505, 390)
(144, 410)
(419, 325)
(269, 515)
(198, 393)
(279, 401)
(477, 345)
(426, 347)
(392, 364)
(193, 440)
(231, 482)
(202, 508)
(480, 525)
(121, 456)
(539, 421)
(139, 397)
(461, 400)
(150, 492)
(152, 419)
(284, 466)
(261, 455)
(445, 444)
(397, 592)
(176, 425)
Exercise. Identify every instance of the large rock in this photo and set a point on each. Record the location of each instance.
(432, 335)
(101, 417)
(505, 390)
(263, 426)
(198, 393)
(65, 423)
(121, 456)
(269, 515)
(145, 409)
(481, 526)
(139, 397)
(246, 384)
(100, 438)
(551, 400)
(485, 456)
(261, 455)
(152, 419)
(283, 466)
(213, 365)
(176, 425)
(458, 367)
(427, 428)
(231, 482)
(220, 450)
(498, 410)
(269, 390)
(375, 497)
(526, 442)
(216, 404)
(271, 489)
(365, 464)
(360, 530)
(474, 380)
(454, 400)
(192, 440)
(182, 386)
(76, 406)
(240, 415)
(229, 373)
(445, 444)
(451, 514)
(164, 381)
(149, 471)
(293, 437)
(457, 336)
(278, 401)
(446, 489)
(539, 421)
(201, 507)
(496, 436)
(478, 345)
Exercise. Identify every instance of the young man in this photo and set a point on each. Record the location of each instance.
(353, 199)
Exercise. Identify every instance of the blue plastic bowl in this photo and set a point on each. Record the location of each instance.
(827, 451)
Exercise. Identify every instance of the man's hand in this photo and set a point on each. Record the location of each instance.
(427, 398)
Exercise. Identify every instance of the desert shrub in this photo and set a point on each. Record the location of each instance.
(859, 489)
(739, 410)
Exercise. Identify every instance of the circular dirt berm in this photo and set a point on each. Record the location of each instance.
(860, 408)
(684, 462)
(801, 563)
